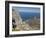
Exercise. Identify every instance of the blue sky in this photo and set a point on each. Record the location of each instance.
(27, 9)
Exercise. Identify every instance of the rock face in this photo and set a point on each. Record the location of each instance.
(17, 19)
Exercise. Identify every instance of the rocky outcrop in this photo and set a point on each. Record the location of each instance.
(17, 18)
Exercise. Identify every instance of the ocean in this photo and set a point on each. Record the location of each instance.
(26, 16)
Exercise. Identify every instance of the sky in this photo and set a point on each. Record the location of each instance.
(27, 9)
